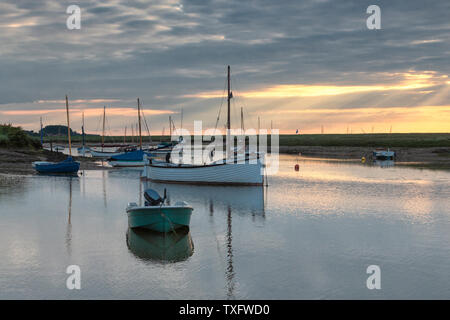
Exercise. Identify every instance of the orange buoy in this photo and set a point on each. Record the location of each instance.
(297, 167)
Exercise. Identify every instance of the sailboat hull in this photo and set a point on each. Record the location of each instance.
(105, 155)
(123, 164)
(244, 173)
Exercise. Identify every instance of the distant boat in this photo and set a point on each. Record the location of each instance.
(152, 245)
(233, 170)
(157, 216)
(134, 158)
(83, 149)
(66, 166)
(382, 154)
(129, 159)
(104, 154)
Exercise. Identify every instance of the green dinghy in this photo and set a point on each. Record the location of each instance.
(157, 216)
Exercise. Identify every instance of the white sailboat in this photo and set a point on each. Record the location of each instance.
(230, 171)
(103, 154)
(134, 158)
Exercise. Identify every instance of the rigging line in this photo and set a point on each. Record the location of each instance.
(98, 124)
(146, 125)
(108, 127)
(145, 122)
(236, 115)
(240, 98)
(221, 103)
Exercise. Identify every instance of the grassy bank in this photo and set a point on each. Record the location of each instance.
(15, 137)
(408, 140)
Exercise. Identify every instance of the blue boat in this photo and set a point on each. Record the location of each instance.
(130, 159)
(66, 166)
(156, 216)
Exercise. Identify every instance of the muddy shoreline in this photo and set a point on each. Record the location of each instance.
(19, 161)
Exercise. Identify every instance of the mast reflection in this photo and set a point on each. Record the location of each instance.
(230, 270)
(69, 221)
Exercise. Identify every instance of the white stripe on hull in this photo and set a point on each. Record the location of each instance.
(98, 154)
(127, 163)
(225, 174)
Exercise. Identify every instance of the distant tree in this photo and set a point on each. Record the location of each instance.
(57, 130)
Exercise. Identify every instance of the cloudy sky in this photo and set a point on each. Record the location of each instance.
(300, 64)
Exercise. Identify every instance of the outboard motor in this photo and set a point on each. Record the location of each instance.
(152, 198)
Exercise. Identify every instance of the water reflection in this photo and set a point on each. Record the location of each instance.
(220, 200)
(230, 270)
(104, 188)
(69, 221)
(165, 247)
(384, 163)
(248, 200)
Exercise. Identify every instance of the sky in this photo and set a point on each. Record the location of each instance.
(295, 64)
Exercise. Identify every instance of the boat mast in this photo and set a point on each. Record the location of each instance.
(68, 126)
(230, 95)
(170, 127)
(125, 136)
(42, 134)
(82, 129)
(140, 130)
(242, 120)
(103, 131)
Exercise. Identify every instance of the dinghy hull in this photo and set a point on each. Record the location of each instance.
(161, 219)
(61, 167)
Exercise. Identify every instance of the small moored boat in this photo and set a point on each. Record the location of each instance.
(66, 166)
(157, 216)
(381, 154)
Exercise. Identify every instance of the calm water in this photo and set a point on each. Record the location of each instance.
(310, 235)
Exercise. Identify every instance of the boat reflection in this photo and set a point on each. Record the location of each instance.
(384, 163)
(165, 247)
(243, 200)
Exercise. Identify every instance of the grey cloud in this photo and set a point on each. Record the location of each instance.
(118, 53)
